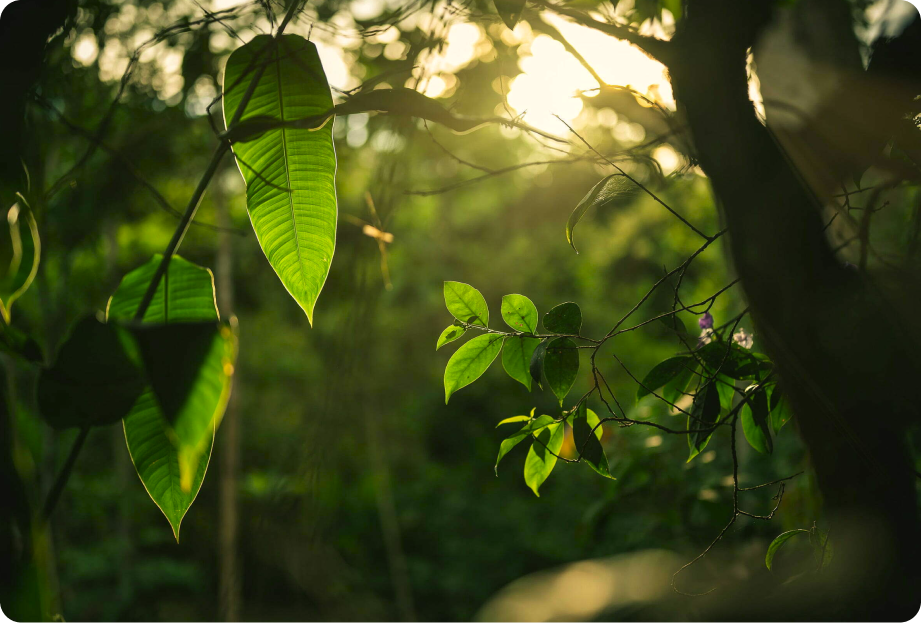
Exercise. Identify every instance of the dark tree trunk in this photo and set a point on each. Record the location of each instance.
(840, 344)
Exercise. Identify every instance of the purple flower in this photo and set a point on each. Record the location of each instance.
(705, 321)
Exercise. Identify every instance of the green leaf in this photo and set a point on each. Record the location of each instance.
(470, 361)
(756, 424)
(600, 195)
(584, 423)
(289, 172)
(727, 390)
(777, 543)
(565, 318)
(525, 431)
(519, 313)
(675, 325)
(542, 456)
(561, 365)
(171, 471)
(450, 334)
(466, 303)
(516, 418)
(779, 407)
(663, 373)
(516, 357)
(26, 253)
(95, 380)
(536, 366)
(706, 410)
(732, 360)
(510, 11)
(675, 389)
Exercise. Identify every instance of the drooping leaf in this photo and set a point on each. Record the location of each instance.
(466, 303)
(516, 357)
(519, 313)
(756, 422)
(662, 373)
(542, 456)
(536, 366)
(289, 172)
(95, 380)
(510, 11)
(470, 361)
(586, 435)
(777, 543)
(561, 365)
(516, 418)
(453, 332)
(525, 431)
(565, 318)
(26, 254)
(780, 409)
(705, 411)
(601, 194)
(727, 390)
(171, 472)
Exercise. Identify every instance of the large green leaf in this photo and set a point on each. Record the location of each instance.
(601, 194)
(170, 467)
(290, 172)
(663, 373)
(542, 456)
(532, 426)
(453, 332)
(565, 318)
(470, 361)
(516, 357)
(94, 381)
(705, 411)
(519, 313)
(586, 435)
(756, 422)
(466, 303)
(561, 365)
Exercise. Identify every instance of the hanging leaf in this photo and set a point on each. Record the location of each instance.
(561, 365)
(662, 373)
(470, 361)
(586, 435)
(516, 357)
(525, 431)
(466, 303)
(536, 366)
(95, 380)
(510, 11)
(26, 253)
(519, 313)
(600, 195)
(705, 412)
(777, 543)
(675, 389)
(756, 423)
(515, 418)
(171, 471)
(779, 407)
(289, 172)
(542, 456)
(565, 318)
(450, 334)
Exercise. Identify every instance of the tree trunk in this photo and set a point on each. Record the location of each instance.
(839, 342)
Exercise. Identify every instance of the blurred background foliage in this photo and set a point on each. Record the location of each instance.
(361, 495)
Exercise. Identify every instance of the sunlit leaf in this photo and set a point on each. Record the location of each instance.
(171, 472)
(525, 431)
(466, 303)
(516, 418)
(777, 543)
(95, 379)
(601, 194)
(450, 334)
(662, 373)
(510, 11)
(755, 422)
(705, 411)
(561, 365)
(565, 318)
(542, 456)
(470, 361)
(586, 435)
(289, 172)
(519, 313)
(516, 357)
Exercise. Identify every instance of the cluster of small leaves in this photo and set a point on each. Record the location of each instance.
(529, 358)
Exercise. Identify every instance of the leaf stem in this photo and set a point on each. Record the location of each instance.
(55, 493)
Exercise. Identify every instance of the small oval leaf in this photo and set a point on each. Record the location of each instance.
(466, 303)
(565, 318)
(450, 334)
(519, 313)
(470, 361)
